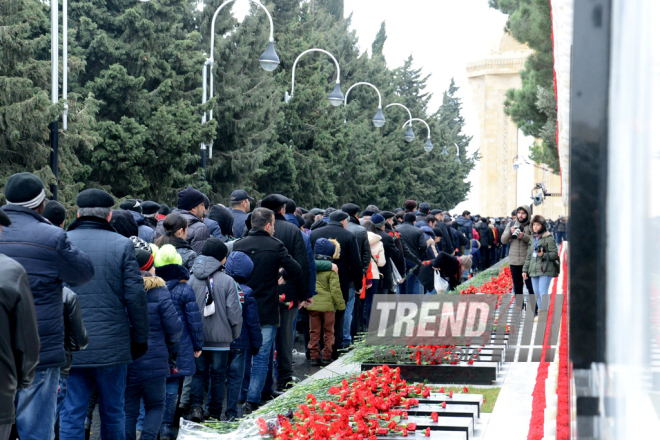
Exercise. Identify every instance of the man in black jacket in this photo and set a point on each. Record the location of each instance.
(412, 237)
(296, 291)
(392, 254)
(268, 254)
(349, 263)
(487, 241)
(115, 311)
(19, 335)
(353, 312)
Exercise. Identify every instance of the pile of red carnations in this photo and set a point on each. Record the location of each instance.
(500, 285)
(373, 404)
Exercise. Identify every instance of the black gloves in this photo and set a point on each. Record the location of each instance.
(138, 350)
(254, 350)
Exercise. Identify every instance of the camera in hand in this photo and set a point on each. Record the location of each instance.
(517, 232)
(539, 249)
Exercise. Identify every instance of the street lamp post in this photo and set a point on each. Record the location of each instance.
(336, 97)
(54, 88)
(458, 153)
(409, 136)
(379, 119)
(428, 146)
(268, 60)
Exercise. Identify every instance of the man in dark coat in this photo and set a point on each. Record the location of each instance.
(487, 241)
(349, 263)
(353, 312)
(447, 243)
(19, 335)
(191, 205)
(413, 238)
(115, 312)
(465, 224)
(240, 206)
(49, 259)
(135, 208)
(392, 254)
(268, 255)
(296, 291)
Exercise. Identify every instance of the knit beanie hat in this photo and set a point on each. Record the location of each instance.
(164, 209)
(373, 208)
(410, 205)
(290, 207)
(189, 198)
(55, 212)
(378, 220)
(138, 243)
(213, 247)
(25, 189)
(145, 259)
(167, 255)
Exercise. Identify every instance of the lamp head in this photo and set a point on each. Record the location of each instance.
(429, 146)
(444, 151)
(336, 97)
(458, 160)
(269, 60)
(409, 136)
(287, 97)
(379, 119)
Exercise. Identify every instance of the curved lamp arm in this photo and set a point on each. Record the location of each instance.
(400, 105)
(217, 11)
(293, 75)
(458, 151)
(380, 100)
(420, 120)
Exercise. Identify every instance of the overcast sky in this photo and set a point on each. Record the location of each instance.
(442, 35)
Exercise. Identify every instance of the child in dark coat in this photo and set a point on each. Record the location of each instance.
(239, 266)
(147, 375)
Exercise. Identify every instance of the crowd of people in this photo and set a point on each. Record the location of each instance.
(153, 313)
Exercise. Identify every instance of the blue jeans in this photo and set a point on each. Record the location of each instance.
(36, 406)
(412, 282)
(111, 384)
(153, 395)
(348, 317)
(61, 394)
(541, 285)
(234, 381)
(213, 364)
(260, 364)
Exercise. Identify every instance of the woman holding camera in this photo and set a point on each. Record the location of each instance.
(542, 262)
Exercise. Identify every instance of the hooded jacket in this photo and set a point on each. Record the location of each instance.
(239, 267)
(75, 333)
(144, 231)
(329, 295)
(486, 237)
(198, 232)
(223, 326)
(19, 335)
(518, 248)
(268, 254)
(225, 220)
(49, 256)
(349, 262)
(185, 303)
(214, 229)
(164, 330)
(377, 254)
(114, 303)
(544, 265)
(465, 226)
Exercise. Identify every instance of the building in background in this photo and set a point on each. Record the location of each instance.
(501, 188)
